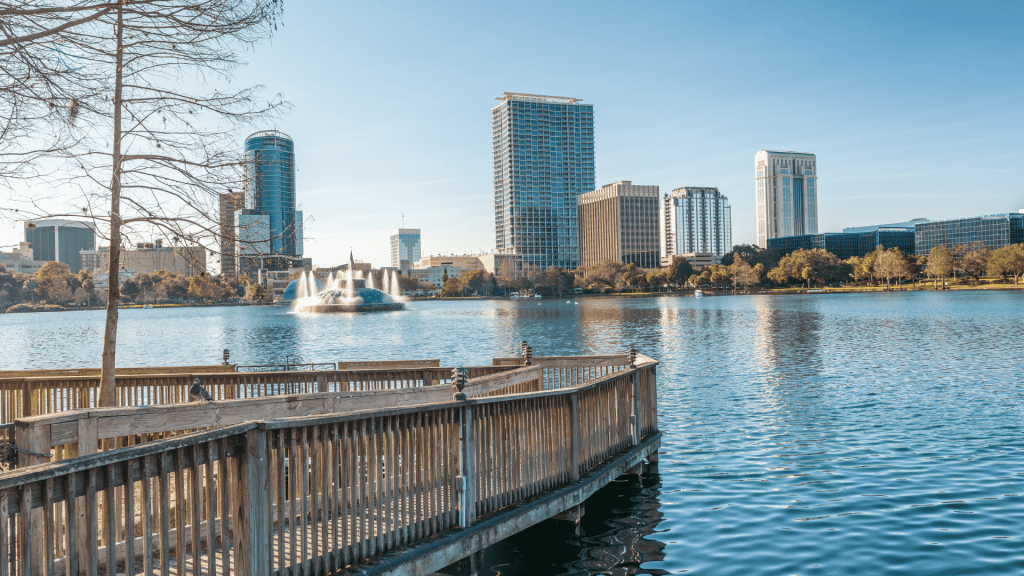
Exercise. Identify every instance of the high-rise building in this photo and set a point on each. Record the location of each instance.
(405, 248)
(996, 231)
(543, 150)
(695, 220)
(252, 241)
(60, 240)
(620, 222)
(229, 204)
(787, 195)
(270, 188)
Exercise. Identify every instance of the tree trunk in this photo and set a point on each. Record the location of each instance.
(107, 396)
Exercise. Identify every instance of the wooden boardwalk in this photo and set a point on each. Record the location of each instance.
(402, 480)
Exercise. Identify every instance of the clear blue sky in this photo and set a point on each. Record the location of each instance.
(914, 109)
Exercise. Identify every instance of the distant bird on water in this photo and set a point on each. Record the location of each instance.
(197, 392)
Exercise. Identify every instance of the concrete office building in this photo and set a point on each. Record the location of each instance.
(270, 189)
(60, 240)
(148, 258)
(694, 220)
(996, 231)
(405, 248)
(620, 222)
(229, 204)
(787, 194)
(543, 158)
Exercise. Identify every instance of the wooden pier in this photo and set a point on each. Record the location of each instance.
(364, 471)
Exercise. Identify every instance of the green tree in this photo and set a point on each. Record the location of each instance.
(679, 271)
(55, 282)
(816, 266)
(1008, 260)
(452, 287)
(940, 263)
(974, 261)
(743, 274)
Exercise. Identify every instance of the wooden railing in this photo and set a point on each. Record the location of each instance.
(80, 432)
(316, 493)
(23, 397)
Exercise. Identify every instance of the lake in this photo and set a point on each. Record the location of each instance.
(803, 434)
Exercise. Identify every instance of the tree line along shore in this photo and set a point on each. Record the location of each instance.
(54, 286)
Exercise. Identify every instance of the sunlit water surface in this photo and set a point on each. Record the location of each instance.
(817, 434)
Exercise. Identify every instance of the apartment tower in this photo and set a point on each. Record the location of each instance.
(620, 222)
(787, 196)
(695, 220)
(543, 150)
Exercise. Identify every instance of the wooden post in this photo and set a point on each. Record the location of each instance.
(574, 404)
(321, 382)
(29, 400)
(634, 419)
(468, 467)
(252, 545)
(33, 439)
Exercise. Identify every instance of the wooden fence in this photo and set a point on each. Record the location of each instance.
(316, 493)
(23, 397)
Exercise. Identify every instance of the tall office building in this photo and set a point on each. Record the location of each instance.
(60, 240)
(229, 203)
(620, 222)
(270, 188)
(543, 159)
(695, 220)
(787, 195)
(405, 248)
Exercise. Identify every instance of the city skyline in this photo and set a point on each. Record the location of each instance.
(911, 113)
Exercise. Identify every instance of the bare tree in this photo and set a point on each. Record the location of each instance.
(161, 122)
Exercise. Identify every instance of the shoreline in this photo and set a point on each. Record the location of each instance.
(673, 293)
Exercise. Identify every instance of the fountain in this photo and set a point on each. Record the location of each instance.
(354, 296)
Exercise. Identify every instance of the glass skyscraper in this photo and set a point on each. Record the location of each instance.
(695, 220)
(270, 188)
(543, 150)
(60, 240)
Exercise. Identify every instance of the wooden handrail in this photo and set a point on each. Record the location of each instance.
(327, 490)
(127, 371)
(46, 395)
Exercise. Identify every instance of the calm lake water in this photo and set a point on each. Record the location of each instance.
(810, 434)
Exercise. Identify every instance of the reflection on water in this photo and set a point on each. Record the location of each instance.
(810, 434)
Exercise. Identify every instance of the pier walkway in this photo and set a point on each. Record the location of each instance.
(348, 475)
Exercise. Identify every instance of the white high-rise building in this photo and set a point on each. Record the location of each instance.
(543, 159)
(787, 195)
(405, 248)
(695, 220)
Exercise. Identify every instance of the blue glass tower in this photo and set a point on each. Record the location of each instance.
(543, 150)
(270, 188)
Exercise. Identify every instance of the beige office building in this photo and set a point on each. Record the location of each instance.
(149, 258)
(787, 194)
(229, 203)
(620, 222)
